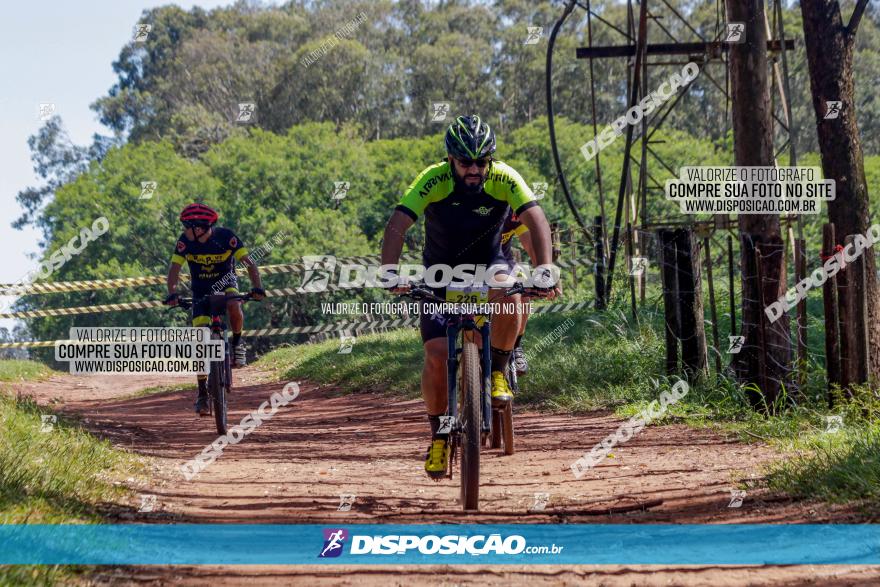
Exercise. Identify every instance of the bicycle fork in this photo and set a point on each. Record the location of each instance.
(452, 360)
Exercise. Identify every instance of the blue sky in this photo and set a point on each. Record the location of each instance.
(59, 52)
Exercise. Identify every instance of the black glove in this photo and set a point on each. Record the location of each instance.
(172, 297)
(258, 293)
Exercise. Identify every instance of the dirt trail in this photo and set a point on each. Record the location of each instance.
(294, 468)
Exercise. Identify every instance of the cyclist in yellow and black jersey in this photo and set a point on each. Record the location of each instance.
(211, 252)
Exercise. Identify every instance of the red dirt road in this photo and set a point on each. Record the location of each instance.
(294, 468)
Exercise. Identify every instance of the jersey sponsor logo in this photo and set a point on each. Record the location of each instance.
(503, 178)
(233, 242)
(483, 210)
(429, 185)
(180, 246)
(208, 259)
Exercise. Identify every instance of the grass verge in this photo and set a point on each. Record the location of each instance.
(52, 471)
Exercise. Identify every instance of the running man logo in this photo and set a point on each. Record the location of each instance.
(535, 33)
(833, 424)
(541, 501)
(639, 264)
(318, 271)
(47, 422)
(340, 189)
(246, 112)
(736, 344)
(736, 498)
(148, 504)
(148, 188)
(832, 109)
(346, 500)
(346, 344)
(736, 32)
(141, 32)
(47, 109)
(334, 540)
(441, 110)
(539, 188)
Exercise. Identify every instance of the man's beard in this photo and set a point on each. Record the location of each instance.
(464, 187)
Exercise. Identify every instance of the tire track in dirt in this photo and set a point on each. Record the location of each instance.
(294, 467)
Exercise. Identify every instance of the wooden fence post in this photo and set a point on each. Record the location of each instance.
(692, 327)
(600, 263)
(714, 313)
(829, 303)
(670, 298)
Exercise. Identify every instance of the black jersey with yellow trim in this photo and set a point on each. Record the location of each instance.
(209, 261)
(465, 228)
(512, 227)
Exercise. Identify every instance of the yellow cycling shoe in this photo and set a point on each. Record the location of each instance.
(501, 392)
(438, 455)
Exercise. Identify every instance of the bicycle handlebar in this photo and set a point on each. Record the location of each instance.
(187, 303)
(419, 292)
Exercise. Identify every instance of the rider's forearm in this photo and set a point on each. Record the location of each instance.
(539, 228)
(173, 277)
(525, 240)
(254, 274)
(392, 239)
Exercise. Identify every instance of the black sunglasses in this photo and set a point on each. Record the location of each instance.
(481, 163)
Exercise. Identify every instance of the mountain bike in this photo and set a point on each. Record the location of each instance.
(469, 417)
(220, 373)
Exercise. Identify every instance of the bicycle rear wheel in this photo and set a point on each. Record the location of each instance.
(470, 420)
(217, 389)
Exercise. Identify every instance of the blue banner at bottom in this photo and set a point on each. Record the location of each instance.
(371, 544)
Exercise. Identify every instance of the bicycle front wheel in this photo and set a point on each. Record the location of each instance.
(217, 390)
(470, 420)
